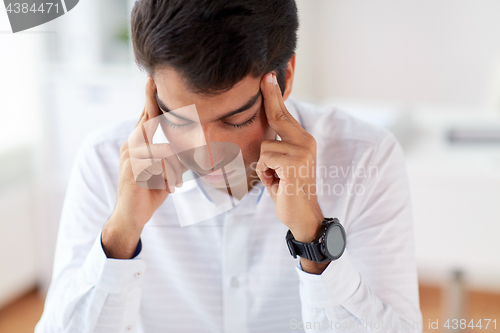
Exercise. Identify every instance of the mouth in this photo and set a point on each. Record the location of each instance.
(216, 176)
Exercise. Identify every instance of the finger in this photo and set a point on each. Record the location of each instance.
(152, 107)
(143, 176)
(282, 147)
(178, 167)
(141, 120)
(145, 171)
(156, 151)
(124, 147)
(149, 120)
(162, 151)
(144, 131)
(143, 184)
(282, 165)
(268, 177)
(278, 117)
(169, 175)
(265, 174)
(141, 165)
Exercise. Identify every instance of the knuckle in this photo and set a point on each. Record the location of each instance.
(124, 154)
(168, 150)
(124, 147)
(260, 167)
(141, 117)
(311, 142)
(266, 144)
(279, 115)
(266, 155)
(127, 167)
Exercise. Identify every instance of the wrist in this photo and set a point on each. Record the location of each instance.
(306, 235)
(311, 235)
(313, 267)
(316, 254)
(308, 230)
(118, 241)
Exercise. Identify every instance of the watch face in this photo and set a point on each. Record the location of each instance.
(335, 240)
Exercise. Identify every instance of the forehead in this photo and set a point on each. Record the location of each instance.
(173, 91)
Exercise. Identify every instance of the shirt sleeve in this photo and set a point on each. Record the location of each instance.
(90, 292)
(373, 286)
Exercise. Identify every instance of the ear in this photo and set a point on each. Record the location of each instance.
(289, 77)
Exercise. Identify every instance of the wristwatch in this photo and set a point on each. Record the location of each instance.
(328, 245)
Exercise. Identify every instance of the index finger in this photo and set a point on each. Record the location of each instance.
(149, 120)
(278, 117)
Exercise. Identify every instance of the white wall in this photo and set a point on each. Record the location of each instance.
(21, 99)
(415, 51)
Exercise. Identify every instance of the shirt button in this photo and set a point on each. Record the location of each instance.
(129, 327)
(234, 282)
(137, 274)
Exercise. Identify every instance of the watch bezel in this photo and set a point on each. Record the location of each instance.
(330, 223)
(316, 250)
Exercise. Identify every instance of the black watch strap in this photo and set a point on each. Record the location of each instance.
(309, 251)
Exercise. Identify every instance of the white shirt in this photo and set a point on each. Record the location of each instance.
(234, 272)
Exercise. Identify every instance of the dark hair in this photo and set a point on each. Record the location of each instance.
(215, 43)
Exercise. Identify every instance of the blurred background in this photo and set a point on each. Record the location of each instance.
(427, 70)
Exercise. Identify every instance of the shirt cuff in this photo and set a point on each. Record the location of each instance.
(138, 248)
(338, 282)
(113, 275)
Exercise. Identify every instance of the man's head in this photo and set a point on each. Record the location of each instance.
(213, 53)
(215, 43)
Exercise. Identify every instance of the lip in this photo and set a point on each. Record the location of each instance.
(216, 176)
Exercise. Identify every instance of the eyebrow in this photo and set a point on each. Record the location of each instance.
(251, 102)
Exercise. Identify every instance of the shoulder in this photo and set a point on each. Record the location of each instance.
(336, 131)
(112, 133)
(102, 145)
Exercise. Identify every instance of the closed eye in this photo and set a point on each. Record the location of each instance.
(184, 123)
(175, 124)
(246, 123)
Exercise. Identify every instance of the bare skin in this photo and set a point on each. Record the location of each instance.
(266, 159)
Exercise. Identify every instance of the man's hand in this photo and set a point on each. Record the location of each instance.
(287, 169)
(148, 173)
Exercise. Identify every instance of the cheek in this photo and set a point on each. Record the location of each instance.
(185, 138)
(251, 141)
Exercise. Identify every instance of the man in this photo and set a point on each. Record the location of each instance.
(220, 75)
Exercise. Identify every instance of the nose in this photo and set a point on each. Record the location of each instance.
(204, 154)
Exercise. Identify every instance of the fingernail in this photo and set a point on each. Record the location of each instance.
(275, 81)
(270, 78)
